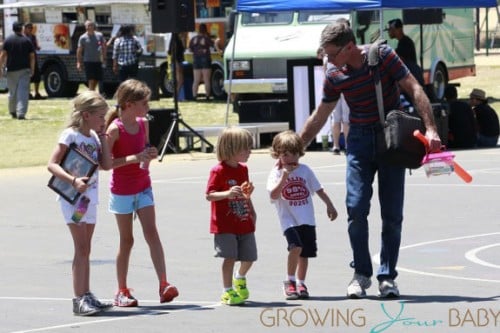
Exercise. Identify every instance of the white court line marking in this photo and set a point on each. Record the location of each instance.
(471, 255)
(375, 258)
(127, 317)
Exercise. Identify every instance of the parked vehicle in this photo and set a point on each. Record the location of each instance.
(264, 41)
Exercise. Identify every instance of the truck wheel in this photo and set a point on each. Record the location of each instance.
(439, 81)
(54, 81)
(166, 85)
(217, 80)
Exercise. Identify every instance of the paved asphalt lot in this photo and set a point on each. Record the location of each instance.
(449, 262)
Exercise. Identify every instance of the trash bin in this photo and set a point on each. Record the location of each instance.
(150, 76)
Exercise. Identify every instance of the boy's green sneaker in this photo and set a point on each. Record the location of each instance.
(231, 297)
(240, 286)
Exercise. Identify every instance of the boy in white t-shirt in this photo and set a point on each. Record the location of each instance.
(291, 186)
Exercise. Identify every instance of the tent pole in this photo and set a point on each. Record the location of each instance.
(228, 101)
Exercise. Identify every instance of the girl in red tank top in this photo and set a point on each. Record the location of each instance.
(131, 193)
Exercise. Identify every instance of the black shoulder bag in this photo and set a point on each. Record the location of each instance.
(396, 144)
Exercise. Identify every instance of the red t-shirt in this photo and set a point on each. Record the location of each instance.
(231, 216)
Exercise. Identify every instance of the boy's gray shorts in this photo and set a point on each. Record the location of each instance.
(239, 247)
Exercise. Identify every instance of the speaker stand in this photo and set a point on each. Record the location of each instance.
(176, 117)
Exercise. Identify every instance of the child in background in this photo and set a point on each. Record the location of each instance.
(232, 219)
(291, 186)
(131, 192)
(86, 132)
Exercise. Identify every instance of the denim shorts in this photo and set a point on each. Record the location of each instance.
(127, 204)
(202, 63)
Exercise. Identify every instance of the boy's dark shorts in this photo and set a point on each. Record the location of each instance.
(303, 236)
(93, 70)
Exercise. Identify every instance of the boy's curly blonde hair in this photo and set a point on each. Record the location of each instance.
(287, 141)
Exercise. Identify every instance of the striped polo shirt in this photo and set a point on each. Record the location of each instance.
(358, 86)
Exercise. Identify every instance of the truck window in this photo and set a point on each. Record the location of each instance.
(321, 16)
(281, 18)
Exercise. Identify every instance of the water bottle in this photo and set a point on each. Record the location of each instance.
(145, 164)
(81, 209)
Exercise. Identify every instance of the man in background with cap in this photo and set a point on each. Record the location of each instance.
(405, 50)
(487, 119)
(18, 54)
(406, 47)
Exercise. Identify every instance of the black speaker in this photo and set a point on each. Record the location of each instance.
(423, 16)
(172, 15)
(159, 124)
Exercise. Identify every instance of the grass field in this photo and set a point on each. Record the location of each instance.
(29, 143)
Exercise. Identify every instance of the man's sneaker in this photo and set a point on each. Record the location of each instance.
(124, 299)
(302, 290)
(290, 290)
(168, 293)
(336, 151)
(231, 297)
(388, 289)
(82, 306)
(358, 285)
(240, 286)
(97, 303)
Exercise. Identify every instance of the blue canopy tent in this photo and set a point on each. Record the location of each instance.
(286, 5)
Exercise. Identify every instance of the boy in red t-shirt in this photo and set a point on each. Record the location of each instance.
(232, 218)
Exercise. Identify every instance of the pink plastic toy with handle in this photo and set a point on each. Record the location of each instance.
(441, 163)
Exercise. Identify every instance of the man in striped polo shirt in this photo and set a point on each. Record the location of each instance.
(350, 75)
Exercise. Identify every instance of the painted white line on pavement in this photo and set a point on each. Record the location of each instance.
(471, 255)
(98, 321)
(375, 258)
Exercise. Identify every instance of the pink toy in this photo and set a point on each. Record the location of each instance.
(441, 163)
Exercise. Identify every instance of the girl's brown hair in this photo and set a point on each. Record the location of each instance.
(130, 90)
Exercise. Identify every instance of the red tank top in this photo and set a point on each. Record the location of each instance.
(129, 179)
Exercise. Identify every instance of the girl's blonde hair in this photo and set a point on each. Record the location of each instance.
(232, 141)
(89, 101)
(287, 141)
(130, 90)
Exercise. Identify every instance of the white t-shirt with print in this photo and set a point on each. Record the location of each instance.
(90, 146)
(295, 205)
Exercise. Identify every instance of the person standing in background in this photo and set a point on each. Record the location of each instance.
(200, 45)
(405, 50)
(176, 50)
(487, 119)
(462, 125)
(18, 54)
(37, 76)
(126, 52)
(91, 52)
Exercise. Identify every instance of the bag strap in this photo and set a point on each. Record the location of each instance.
(373, 60)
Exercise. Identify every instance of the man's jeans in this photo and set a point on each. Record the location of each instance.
(362, 164)
(18, 83)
